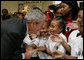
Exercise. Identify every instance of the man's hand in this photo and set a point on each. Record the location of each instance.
(28, 54)
(58, 54)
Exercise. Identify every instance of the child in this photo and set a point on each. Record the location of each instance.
(56, 28)
(75, 41)
(47, 44)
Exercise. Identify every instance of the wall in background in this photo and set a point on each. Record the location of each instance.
(12, 6)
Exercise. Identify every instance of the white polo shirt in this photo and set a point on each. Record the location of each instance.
(53, 46)
(76, 43)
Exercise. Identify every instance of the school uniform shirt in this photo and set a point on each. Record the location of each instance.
(43, 55)
(28, 41)
(42, 41)
(76, 43)
(53, 46)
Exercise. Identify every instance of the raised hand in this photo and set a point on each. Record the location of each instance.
(57, 38)
(57, 54)
(33, 36)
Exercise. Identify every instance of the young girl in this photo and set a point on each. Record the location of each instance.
(55, 28)
(75, 41)
(69, 11)
(46, 43)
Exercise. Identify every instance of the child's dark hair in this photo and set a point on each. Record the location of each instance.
(53, 7)
(61, 24)
(5, 11)
(48, 23)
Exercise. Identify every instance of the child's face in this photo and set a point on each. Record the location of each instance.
(65, 9)
(80, 16)
(80, 21)
(54, 27)
(59, 11)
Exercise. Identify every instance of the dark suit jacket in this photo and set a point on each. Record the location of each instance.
(12, 35)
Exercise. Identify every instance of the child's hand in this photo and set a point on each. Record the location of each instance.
(38, 33)
(48, 50)
(58, 54)
(57, 38)
(33, 36)
(35, 51)
(29, 48)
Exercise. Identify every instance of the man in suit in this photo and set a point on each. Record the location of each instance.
(13, 32)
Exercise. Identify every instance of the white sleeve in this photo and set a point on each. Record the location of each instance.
(36, 41)
(74, 51)
(70, 40)
(27, 40)
(23, 56)
(72, 37)
(61, 48)
(77, 47)
(42, 42)
(64, 37)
